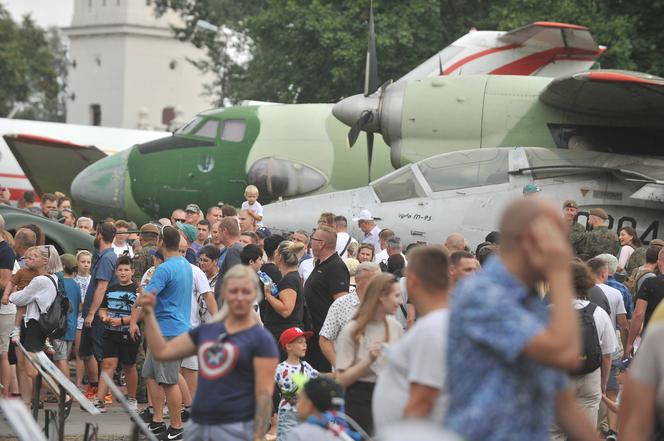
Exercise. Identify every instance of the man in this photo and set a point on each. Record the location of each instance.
(120, 244)
(85, 224)
(381, 253)
(612, 265)
(247, 222)
(328, 281)
(412, 384)
(7, 311)
(29, 202)
(600, 272)
(101, 275)
(215, 236)
(48, 203)
(178, 215)
(142, 261)
(462, 264)
(576, 230)
(638, 257)
(600, 240)
(343, 309)
(172, 283)
(230, 255)
(649, 296)
(366, 223)
(504, 341)
(262, 233)
(645, 271)
(213, 214)
(455, 242)
(326, 219)
(192, 214)
(228, 210)
(69, 217)
(302, 237)
(202, 234)
(343, 238)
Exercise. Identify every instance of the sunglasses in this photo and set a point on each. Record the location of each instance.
(180, 220)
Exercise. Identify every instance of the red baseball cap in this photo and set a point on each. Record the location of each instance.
(291, 334)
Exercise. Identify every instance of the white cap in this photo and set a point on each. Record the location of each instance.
(365, 215)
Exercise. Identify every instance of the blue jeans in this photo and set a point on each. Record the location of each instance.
(286, 421)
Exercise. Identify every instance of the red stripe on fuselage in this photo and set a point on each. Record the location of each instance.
(477, 55)
(530, 63)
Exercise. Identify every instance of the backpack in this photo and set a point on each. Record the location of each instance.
(632, 283)
(591, 355)
(53, 322)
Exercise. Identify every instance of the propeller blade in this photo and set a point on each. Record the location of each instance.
(371, 68)
(440, 65)
(370, 140)
(354, 132)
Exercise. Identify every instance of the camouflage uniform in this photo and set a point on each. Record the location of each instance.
(577, 234)
(599, 241)
(637, 259)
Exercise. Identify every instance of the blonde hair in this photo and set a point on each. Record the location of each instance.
(83, 253)
(251, 189)
(379, 287)
(50, 254)
(236, 272)
(288, 251)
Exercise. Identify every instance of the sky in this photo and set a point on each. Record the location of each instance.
(45, 12)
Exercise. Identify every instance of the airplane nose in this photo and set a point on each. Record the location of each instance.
(100, 188)
(350, 110)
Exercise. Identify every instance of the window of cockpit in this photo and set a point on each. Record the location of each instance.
(472, 168)
(189, 127)
(398, 187)
(208, 129)
(233, 130)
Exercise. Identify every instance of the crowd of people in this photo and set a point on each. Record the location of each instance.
(546, 330)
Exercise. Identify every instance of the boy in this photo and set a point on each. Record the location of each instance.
(294, 342)
(319, 396)
(19, 280)
(614, 406)
(115, 312)
(251, 204)
(63, 345)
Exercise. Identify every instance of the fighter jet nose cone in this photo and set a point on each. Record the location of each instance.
(100, 188)
(350, 109)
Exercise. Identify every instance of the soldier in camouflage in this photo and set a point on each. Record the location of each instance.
(576, 230)
(638, 257)
(600, 239)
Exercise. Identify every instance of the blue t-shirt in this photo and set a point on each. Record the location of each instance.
(172, 281)
(118, 301)
(226, 389)
(73, 293)
(103, 268)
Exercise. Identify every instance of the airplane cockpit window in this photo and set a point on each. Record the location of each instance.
(187, 128)
(472, 168)
(208, 130)
(233, 130)
(398, 186)
(562, 162)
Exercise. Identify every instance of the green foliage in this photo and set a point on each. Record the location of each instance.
(29, 70)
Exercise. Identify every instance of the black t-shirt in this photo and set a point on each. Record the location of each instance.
(231, 256)
(271, 270)
(274, 322)
(328, 277)
(7, 256)
(652, 291)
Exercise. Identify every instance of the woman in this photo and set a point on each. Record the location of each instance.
(360, 346)
(208, 261)
(366, 253)
(629, 241)
(285, 309)
(237, 361)
(37, 297)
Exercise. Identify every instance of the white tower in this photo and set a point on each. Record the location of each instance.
(127, 69)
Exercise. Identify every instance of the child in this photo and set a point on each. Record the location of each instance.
(84, 262)
(319, 399)
(114, 312)
(614, 406)
(19, 280)
(294, 342)
(73, 292)
(252, 205)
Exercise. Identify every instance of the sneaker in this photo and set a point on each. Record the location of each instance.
(146, 414)
(185, 413)
(157, 429)
(611, 435)
(133, 404)
(172, 434)
(91, 393)
(108, 399)
(99, 405)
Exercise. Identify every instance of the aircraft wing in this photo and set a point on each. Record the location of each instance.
(51, 164)
(609, 94)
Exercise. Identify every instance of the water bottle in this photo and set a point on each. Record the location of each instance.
(268, 281)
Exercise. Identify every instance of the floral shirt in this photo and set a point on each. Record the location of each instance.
(496, 392)
(284, 379)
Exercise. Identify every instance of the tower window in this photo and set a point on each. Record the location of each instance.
(95, 114)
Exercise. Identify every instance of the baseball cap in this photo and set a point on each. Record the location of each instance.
(325, 393)
(365, 215)
(157, 254)
(531, 188)
(263, 232)
(193, 208)
(189, 230)
(290, 334)
(571, 203)
(149, 228)
(599, 212)
(69, 262)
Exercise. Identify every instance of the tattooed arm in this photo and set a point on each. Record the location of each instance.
(264, 368)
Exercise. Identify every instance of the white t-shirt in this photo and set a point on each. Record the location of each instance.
(305, 269)
(198, 305)
(343, 244)
(120, 249)
(606, 332)
(411, 361)
(616, 302)
(625, 253)
(256, 208)
(38, 296)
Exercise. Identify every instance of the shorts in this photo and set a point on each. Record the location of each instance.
(612, 384)
(121, 346)
(163, 372)
(62, 349)
(240, 431)
(6, 326)
(190, 363)
(32, 336)
(286, 421)
(92, 341)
